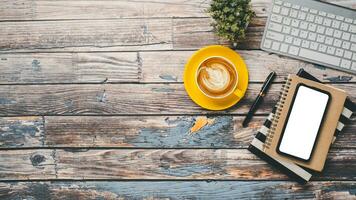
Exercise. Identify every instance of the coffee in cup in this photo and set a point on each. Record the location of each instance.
(217, 77)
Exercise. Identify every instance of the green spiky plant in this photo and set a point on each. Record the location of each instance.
(231, 18)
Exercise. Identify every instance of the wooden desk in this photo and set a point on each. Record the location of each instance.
(92, 106)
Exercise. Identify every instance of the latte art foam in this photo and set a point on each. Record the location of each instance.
(216, 77)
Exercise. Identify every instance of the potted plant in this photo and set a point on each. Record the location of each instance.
(231, 18)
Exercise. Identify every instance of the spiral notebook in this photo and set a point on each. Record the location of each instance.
(289, 167)
(326, 130)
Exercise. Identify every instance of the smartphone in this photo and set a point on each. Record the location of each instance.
(303, 122)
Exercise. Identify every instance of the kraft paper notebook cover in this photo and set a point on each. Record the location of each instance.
(327, 129)
(289, 168)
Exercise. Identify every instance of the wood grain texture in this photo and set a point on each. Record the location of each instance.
(172, 164)
(27, 164)
(111, 34)
(140, 67)
(86, 35)
(137, 132)
(115, 99)
(21, 132)
(163, 164)
(86, 9)
(70, 67)
(57, 10)
(178, 190)
(161, 132)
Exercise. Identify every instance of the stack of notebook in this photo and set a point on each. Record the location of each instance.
(284, 154)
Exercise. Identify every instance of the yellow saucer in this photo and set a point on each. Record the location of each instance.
(190, 73)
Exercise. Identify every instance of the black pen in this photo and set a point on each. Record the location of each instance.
(259, 98)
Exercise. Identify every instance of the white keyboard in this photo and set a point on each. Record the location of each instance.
(314, 31)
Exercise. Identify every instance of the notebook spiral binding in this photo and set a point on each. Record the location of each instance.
(278, 109)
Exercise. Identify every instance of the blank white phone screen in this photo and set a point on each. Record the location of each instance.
(304, 122)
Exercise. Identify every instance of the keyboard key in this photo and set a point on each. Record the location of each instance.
(286, 21)
(305, 9)
(318, 20)
(276, 9)
(303, 25)
(353, 48)
(296, 6)
(293, 50)
(295, 32)
(287, 4)
(297, 41)
(327, 22)
(275, 27)
(303, 34)
(305, 44)
(322, 13)
(278, 2)
(322, 48)
(330, 15)
(267, 43)
(284, 48)
(341, 18)
(321, 57)
(313, 11)
(295, 22)
(337, 43)
(335, 24)
(275, 36)
(339, 52)
(289, 39)
(293, 13)
(302, 15)
(344, 26)
(275, 46)
(345, 45)
(329, 40)
(329, 31)
(312, 27)
(352, 28)
(348, 54)
(353, 38)
(312, 36)
(310, 18)
(314, 45)
(320, 29)
(320, 38)
(285, 11)
(345, 64)
(286, 29)
(337, 34)
(276, 18)
(330, 50)
(348, 20)
(346, 36)
(353, 67)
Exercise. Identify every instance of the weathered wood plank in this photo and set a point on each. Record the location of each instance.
(120, 34)
(21, 132)
(116, 99)
(178, 190)
(27, 164)
(169, 66)
(137, 132)
(70, 67)
(219, 164)
(56, 10)
(145, 67)
(169, 164)
(161, 132)
(49, 10)
(86, 35)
